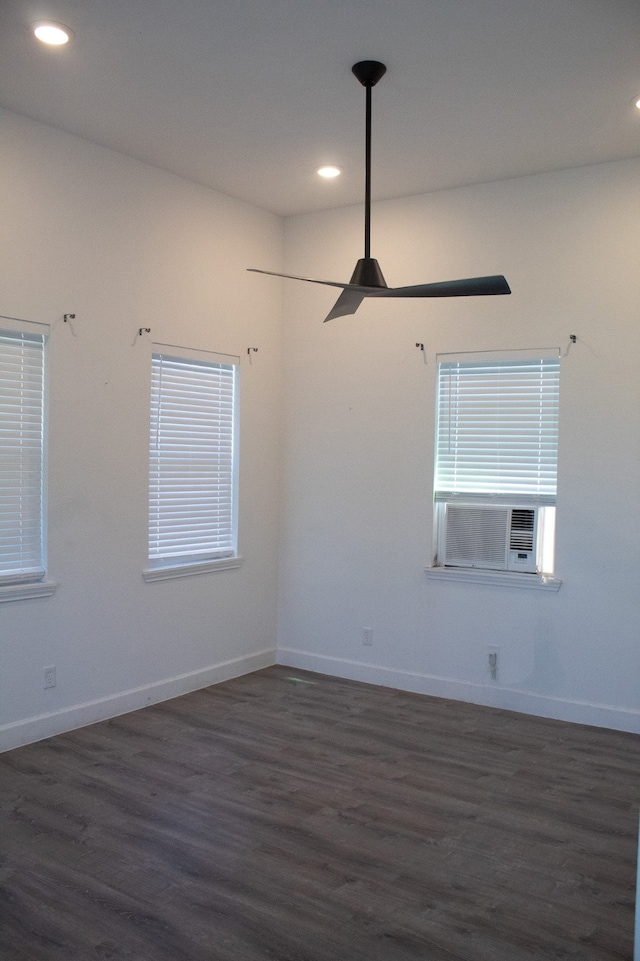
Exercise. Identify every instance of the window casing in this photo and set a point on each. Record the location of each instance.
(22, 454)
(193, 469)
(497, 445)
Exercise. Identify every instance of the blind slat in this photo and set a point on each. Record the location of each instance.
(21, 455)
(192, 460)
(497, 429)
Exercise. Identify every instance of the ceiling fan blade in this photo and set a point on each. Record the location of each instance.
(347, 303)
(469, 287)
(308, 280)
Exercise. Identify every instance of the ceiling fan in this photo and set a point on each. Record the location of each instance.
(367, 279)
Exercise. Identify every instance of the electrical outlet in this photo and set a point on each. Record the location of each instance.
(49, 677)
(367, 636)
(493, 662)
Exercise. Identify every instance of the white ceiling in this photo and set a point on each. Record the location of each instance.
(249, 96)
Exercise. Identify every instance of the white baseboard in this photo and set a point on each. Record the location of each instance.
(508, 699)
(37, 728)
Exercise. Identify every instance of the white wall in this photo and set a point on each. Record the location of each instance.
(359, 429)
(123, 246)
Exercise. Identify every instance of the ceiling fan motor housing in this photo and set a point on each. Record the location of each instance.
(369, 72)
(368, 273)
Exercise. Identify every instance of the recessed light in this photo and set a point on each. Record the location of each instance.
(329, 172)
(48, 31)
(636, 100)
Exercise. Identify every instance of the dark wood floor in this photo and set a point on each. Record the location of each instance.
(295, 817)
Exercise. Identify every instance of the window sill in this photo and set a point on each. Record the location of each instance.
(189, 570)
(535, 582)
(23, 592)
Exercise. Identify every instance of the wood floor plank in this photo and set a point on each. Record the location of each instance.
(285, 816)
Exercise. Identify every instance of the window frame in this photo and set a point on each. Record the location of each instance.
(161, 566)
(544, 501)
(32, 581)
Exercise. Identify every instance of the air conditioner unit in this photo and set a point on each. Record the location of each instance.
(491, 537)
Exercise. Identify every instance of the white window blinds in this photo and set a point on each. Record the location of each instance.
(21, 456)
(497, 430)
(192, 478)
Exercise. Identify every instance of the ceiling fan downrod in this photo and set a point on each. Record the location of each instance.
(367, 271)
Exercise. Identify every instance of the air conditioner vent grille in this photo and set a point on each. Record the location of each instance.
(476, 536)
(522, 529)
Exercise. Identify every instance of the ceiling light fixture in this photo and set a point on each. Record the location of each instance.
(52, 33)
(636, 100)
(329, 172)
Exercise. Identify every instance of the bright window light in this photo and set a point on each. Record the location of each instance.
(329, 172)
(47, 31)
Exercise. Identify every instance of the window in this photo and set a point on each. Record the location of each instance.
(192, 463)
(22, 545)
(496, 461)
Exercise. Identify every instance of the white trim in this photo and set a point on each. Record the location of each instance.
(23, 592)
(33, 729)
(636, 935)
(188, 570)
(494, 500)
(22, 326)
(531, 582)
(190, 353)
(504, 698)
(516, 353)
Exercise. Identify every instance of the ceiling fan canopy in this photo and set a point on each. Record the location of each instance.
(367, 279)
